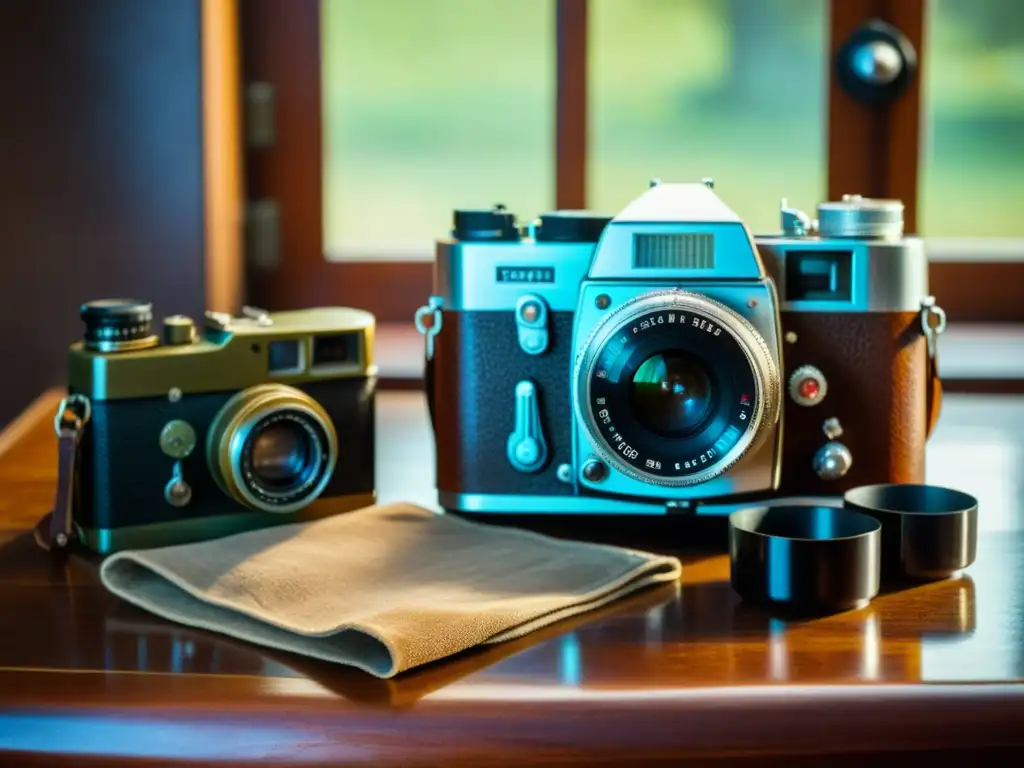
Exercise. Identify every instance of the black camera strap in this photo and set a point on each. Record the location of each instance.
(55, 530)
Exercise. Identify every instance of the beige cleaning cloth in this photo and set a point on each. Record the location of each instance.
(384, 589)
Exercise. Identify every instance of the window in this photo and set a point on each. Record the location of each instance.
(392, 113)
(431, 105)
(734, 90)
(972, 160)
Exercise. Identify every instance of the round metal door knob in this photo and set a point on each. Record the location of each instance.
(876, 63)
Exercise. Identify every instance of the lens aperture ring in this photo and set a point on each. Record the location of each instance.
(743, 368)
(232, 441)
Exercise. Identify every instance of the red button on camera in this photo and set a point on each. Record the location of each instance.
(807, 385)
(809, 388)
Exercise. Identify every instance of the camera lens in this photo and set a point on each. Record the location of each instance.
(672, 394)
(272, 448)
(675, 388)
(117, 325)
(281, 454)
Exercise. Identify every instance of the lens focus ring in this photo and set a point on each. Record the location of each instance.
(272, 448)
(720, 417)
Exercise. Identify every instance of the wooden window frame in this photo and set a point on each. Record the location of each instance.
(281, 46)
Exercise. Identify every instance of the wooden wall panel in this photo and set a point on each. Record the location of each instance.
(101, 172)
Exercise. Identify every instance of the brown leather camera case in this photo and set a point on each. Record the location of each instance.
(881, 388)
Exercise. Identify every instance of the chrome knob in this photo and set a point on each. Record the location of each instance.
(177, 439)
(177, 492)
(861, 217)
(832, 428)
(179, 330)
(832, 461)
(876, 63)
(594, 471)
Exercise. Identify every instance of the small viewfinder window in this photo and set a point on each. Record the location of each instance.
(284, 356)
(819, 276)
(337, 349)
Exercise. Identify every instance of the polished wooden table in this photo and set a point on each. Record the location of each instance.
(684, 671)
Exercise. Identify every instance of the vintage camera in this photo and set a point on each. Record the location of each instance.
(663, 358)
(258, 420)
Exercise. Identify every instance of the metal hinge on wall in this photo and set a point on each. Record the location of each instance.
(262, 217)
(263, 235)
(259, 116)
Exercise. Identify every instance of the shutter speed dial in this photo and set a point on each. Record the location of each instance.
(807, 386)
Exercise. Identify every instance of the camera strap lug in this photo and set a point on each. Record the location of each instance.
(432, 309)
(933, 323)
(55, 530)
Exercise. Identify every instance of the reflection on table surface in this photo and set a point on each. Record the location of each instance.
(692, 635)
(698, 634)
(978, 447)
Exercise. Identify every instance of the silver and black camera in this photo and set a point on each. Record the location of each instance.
(664, 357)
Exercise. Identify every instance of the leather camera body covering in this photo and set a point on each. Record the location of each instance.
(878, 378)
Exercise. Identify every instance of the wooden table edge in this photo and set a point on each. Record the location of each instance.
(781, 716)
(751, 721)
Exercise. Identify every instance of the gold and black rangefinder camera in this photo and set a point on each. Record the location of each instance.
(251, 421)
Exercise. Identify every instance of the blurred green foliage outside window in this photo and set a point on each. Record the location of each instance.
(435, 104)
(972, 148)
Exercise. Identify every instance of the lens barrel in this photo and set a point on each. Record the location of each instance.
(117, 325)
(272, 448)
(674, 388)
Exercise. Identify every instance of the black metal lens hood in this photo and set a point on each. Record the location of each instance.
(804, 559)
(928, 532)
